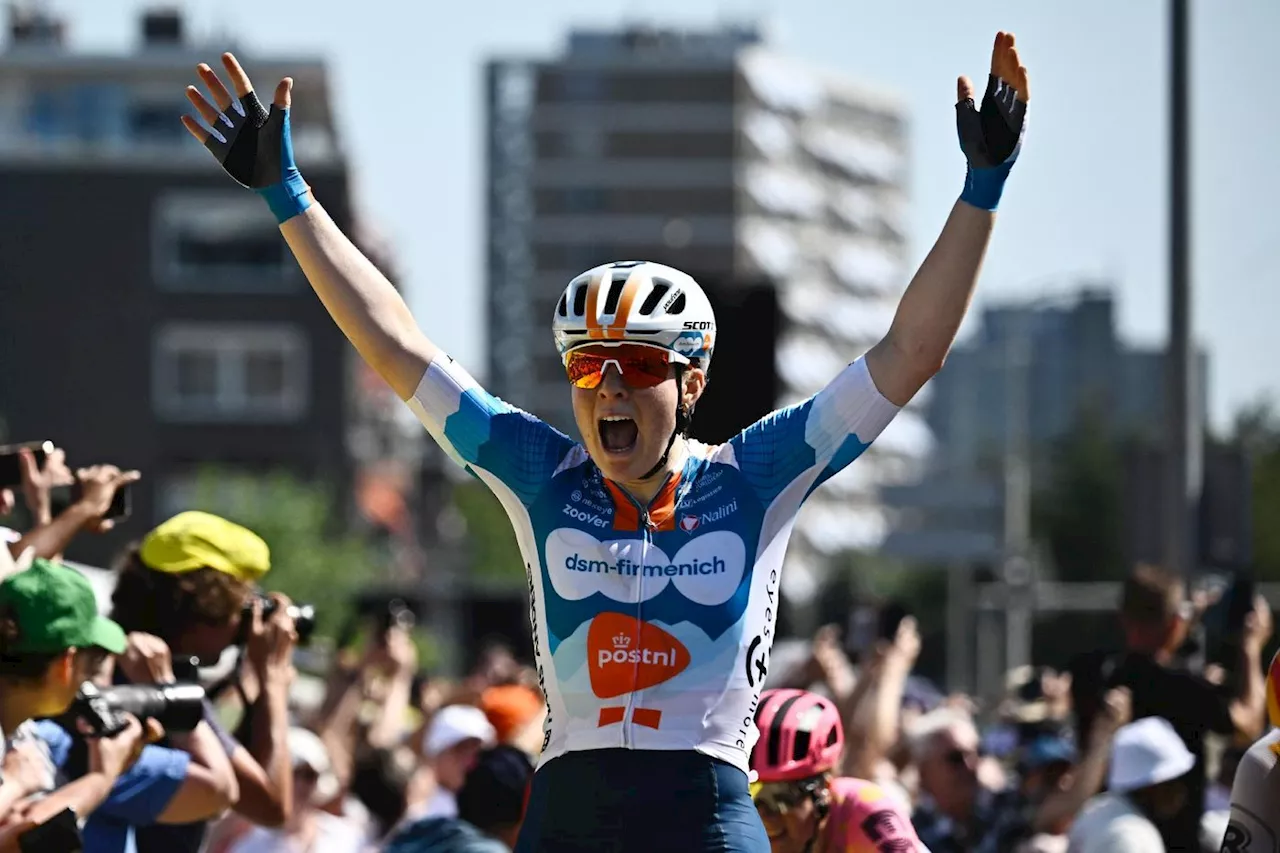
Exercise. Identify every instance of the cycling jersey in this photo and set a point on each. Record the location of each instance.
(652, 624)
(1255, 800)
(864, 818)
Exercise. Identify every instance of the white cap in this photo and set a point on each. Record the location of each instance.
(454, 724)
(1147, 752)
(308, 750)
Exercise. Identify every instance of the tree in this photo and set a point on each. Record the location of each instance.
(495, 556)
(311, 559)
(1257, 429)
(1079, 516)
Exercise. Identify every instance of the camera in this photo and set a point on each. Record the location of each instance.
(177, 707)
(303, 615)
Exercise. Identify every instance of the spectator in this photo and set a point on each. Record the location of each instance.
(491, 808)
(308, 828)
(955, 813)
(164, 786)
(1146, 784)
(516, 712)
(452, 743)
(185, 588)
(1154, 615)
(51, 640)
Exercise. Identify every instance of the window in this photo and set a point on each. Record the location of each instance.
(220, 243)
(253, 372)
(157, 122)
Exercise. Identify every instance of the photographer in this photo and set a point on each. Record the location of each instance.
(191, 782)
(188, 587)
(51, 641)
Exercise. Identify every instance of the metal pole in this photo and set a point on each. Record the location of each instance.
(1019, 617)
(1184, 442)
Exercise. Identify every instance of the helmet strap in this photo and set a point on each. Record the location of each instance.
(683, 417)
(822, 808)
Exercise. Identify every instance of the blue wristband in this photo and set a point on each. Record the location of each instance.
(292, 195)
(983, 187)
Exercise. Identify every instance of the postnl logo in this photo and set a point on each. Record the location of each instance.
(625, 654)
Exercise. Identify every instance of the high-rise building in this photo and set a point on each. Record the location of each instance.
(150, 314)
(779, 187)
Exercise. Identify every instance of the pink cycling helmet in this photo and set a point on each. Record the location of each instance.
(800, 736)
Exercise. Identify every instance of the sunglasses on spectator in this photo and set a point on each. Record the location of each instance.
(640, 366)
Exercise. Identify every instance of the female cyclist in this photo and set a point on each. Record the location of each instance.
(803, 808)
(652, 559)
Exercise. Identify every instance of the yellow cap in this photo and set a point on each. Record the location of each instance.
(197, 540)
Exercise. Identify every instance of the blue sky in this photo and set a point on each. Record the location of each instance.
(1088, 197)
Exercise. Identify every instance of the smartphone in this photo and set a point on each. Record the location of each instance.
(11, 468)
(1240, 597)
(58, 834)
(121, 507)
(891, 616)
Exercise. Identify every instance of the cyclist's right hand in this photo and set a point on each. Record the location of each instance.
(253, 145)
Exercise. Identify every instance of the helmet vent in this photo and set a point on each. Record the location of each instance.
(660, 288)
(615, 293)
(677, 306)
(801, 748)
(563, 308)
(580, 301)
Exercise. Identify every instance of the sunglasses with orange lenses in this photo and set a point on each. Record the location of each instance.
(639, 366)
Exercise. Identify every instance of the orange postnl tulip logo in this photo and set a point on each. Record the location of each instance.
(625, 655)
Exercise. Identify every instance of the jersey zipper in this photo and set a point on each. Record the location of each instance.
(646, 539)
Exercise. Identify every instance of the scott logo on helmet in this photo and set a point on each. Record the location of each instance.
(699, 324)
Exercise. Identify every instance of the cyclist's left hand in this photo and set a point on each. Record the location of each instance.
(992, 136)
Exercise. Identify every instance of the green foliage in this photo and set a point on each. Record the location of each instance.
(490, 538)
(1079, 516)
(311, 559)
(1258, 430)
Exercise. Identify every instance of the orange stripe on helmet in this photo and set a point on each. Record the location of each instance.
(618, 328)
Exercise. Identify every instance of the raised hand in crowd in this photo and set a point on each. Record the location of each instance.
(98, 485)
(38, 482)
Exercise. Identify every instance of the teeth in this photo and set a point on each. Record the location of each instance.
(614, 418)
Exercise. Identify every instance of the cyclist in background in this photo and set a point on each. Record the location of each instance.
(653, 560)
(804, 808)
(1255, 793)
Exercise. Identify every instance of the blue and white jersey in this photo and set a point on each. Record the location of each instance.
(652, 624)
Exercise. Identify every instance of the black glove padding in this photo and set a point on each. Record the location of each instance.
(251, 143)
(992, 136)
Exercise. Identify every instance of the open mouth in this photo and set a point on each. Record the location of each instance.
(617, 434)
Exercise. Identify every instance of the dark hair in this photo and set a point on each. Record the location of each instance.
(380, 782)
(166, 604)
(493, 796)
(1152, 595)
(32, 666)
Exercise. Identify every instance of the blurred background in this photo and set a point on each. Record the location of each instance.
(796, 158)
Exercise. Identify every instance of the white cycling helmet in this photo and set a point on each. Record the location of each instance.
(636, 302)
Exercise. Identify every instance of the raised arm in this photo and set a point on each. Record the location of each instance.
(935, 302)
(255, 148)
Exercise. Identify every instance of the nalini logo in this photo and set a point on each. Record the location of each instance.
(690, 523)
(626, 654)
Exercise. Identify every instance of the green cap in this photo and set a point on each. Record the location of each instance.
(56, 610)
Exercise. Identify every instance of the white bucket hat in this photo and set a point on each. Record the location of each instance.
(1147, 752)
(307, 750)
